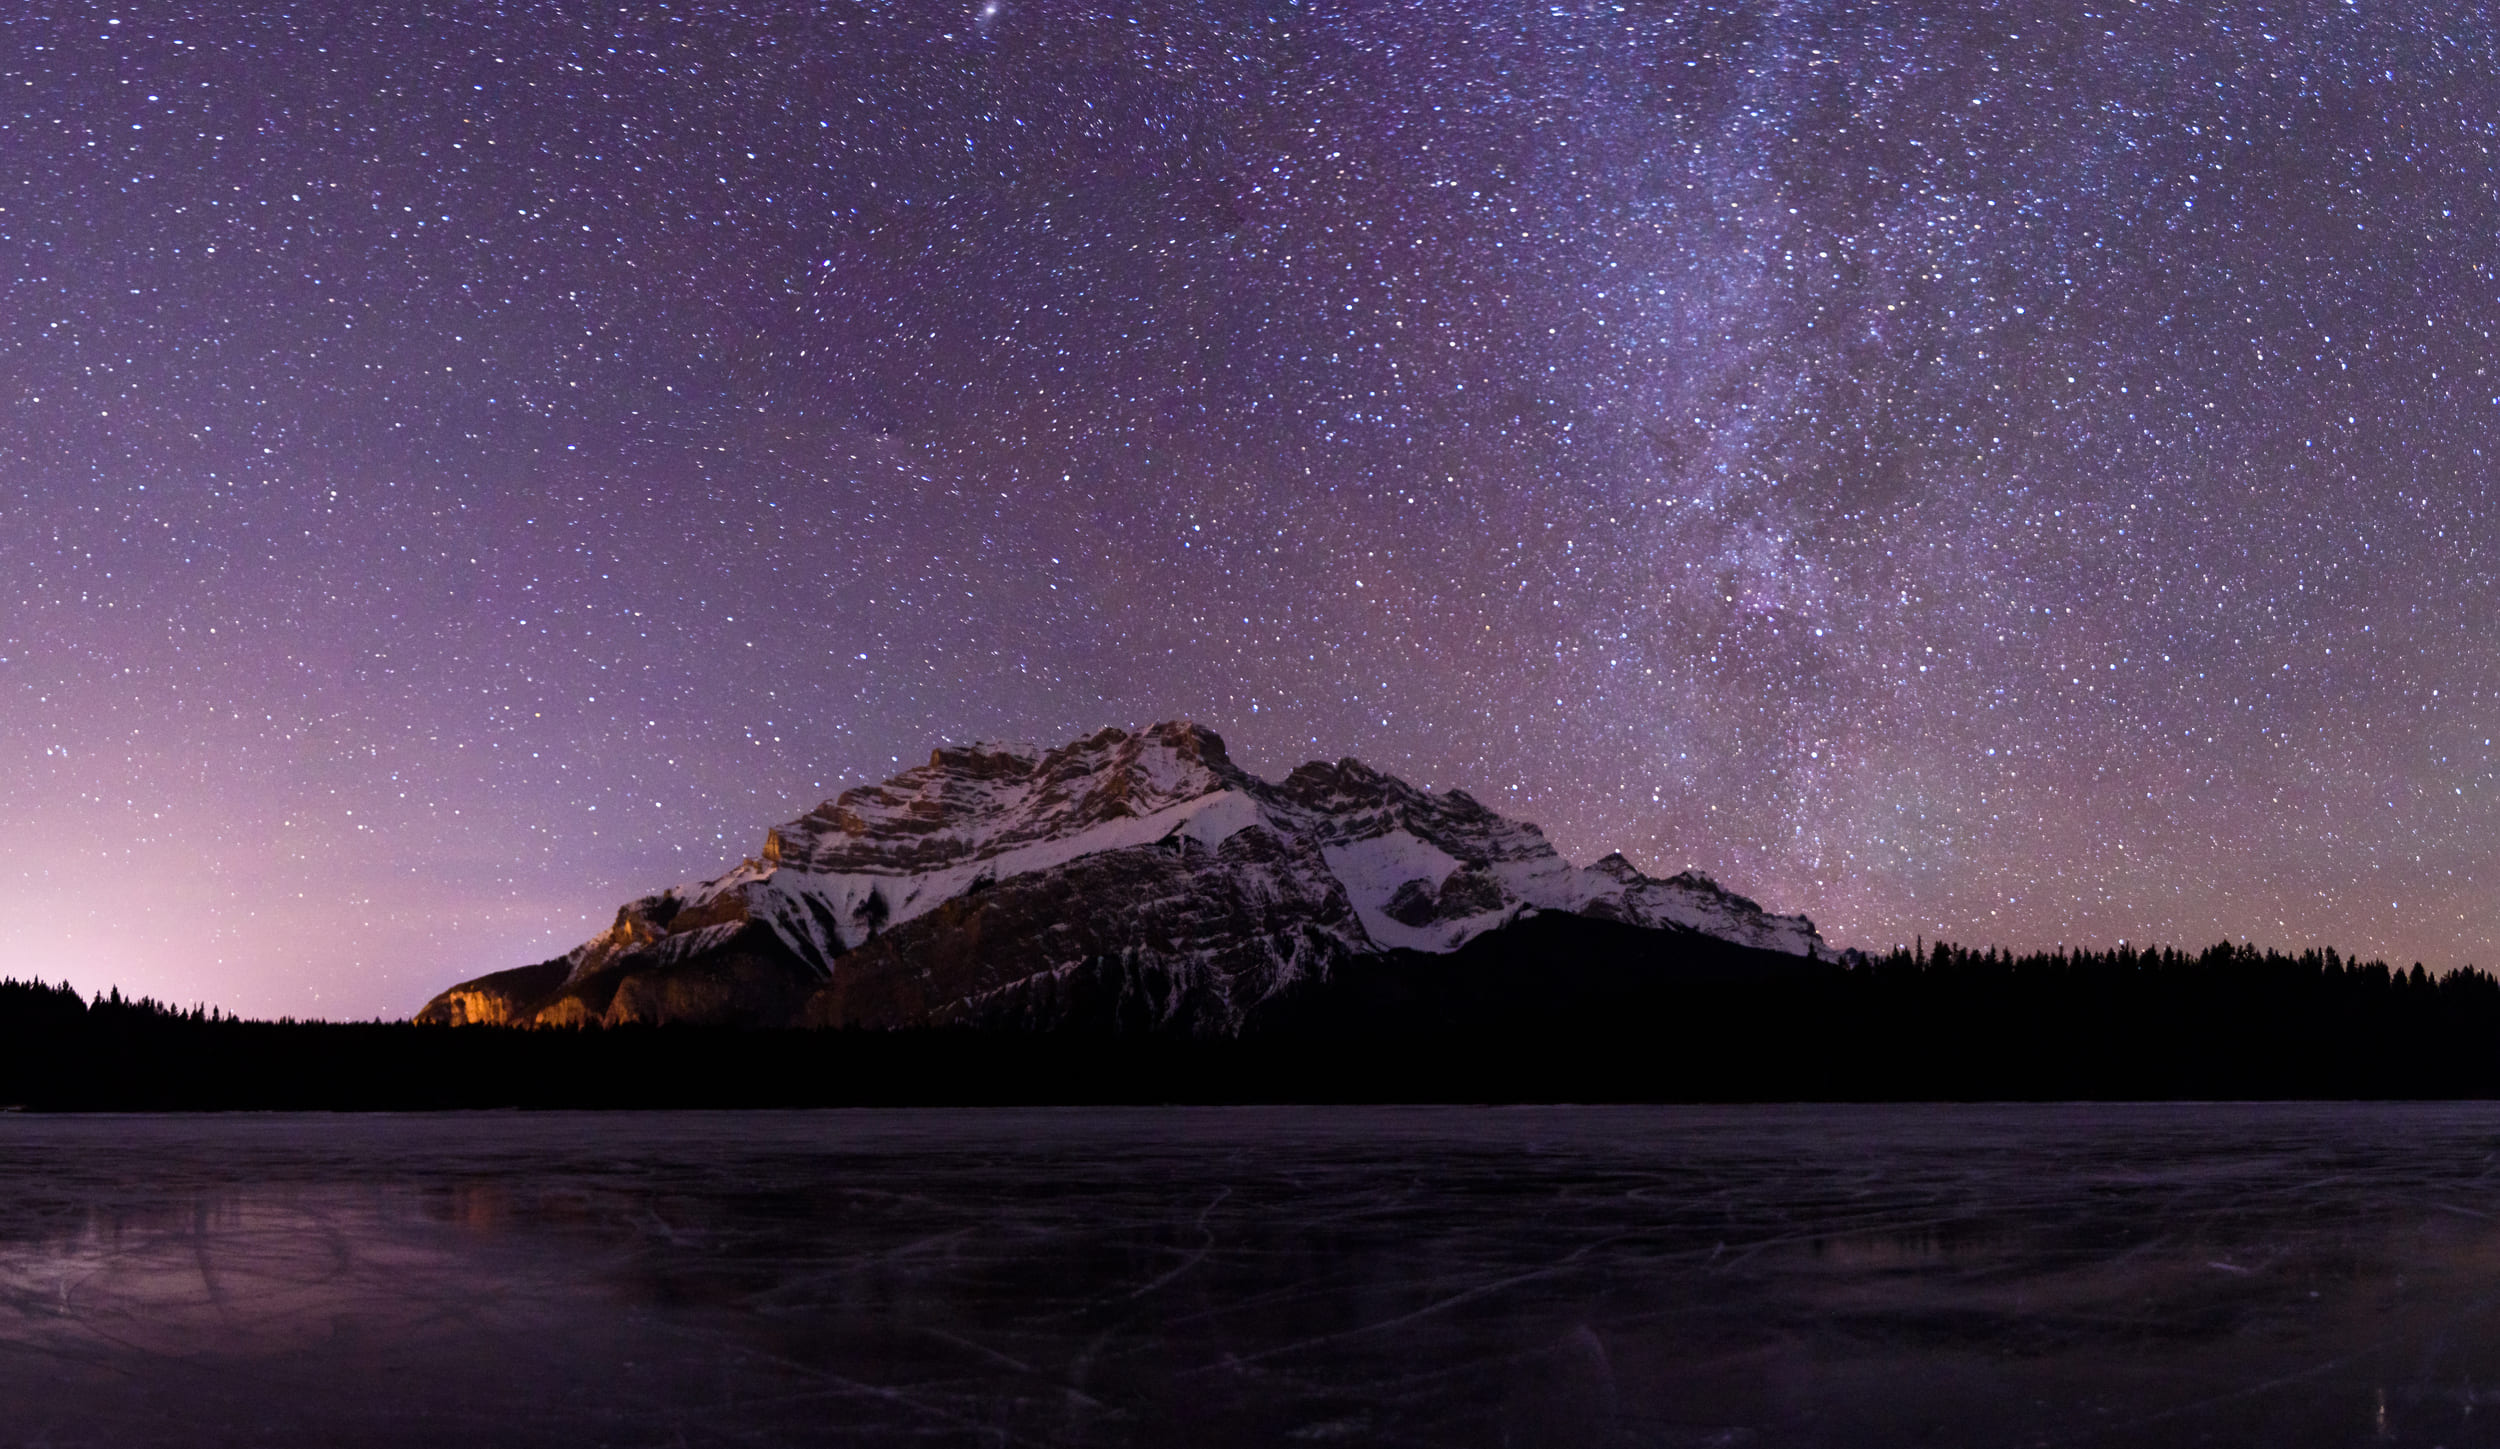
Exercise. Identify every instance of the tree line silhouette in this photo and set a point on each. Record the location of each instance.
(1553, 1009)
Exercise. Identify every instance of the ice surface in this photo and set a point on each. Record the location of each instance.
(2153, 1275)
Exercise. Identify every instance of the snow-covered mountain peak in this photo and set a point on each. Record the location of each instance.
(1011, 865)
(974, 802)
(1614, 867)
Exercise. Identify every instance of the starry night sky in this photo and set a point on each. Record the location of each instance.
(2016, 474)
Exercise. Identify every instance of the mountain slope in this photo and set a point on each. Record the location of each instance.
(1123, 882)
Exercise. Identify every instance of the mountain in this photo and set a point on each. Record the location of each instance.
(1124, 882)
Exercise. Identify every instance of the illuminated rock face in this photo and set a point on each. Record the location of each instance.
(1124, 882)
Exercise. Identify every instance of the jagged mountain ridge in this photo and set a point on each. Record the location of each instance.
(1123, 881)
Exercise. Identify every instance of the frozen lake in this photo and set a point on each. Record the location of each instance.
(2262, 1275)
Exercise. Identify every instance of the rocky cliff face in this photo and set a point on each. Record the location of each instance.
(1128, 882)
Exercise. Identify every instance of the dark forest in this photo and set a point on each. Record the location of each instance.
(1562, 1013)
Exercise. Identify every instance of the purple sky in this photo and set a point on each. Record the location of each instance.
(2011, 479)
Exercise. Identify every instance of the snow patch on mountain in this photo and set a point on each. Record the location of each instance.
(1395, 868)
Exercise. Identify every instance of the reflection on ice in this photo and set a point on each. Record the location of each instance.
(1678, 1276)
